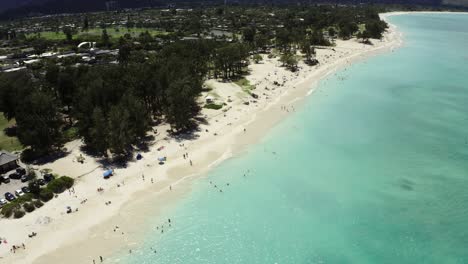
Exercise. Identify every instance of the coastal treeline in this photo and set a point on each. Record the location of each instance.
(112, 107)
(113, 104)
(256, 25)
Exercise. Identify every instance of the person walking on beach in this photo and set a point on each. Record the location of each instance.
(100, 257)
(191, 164)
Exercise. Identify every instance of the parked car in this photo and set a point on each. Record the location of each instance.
(3, 202)
(48, 177)
(25, 189)
(15, 176)
(5, 179)
(41, 182)
(21, 171)
(19, 193)
(24, 178)
(10, 197)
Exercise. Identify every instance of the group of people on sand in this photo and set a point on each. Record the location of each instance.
(15, 247)
(185, 155)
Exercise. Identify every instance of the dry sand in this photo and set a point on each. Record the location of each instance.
(141, 191)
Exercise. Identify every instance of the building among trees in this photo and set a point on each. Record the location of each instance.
(8, 161)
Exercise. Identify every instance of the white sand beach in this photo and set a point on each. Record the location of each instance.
(145, 187)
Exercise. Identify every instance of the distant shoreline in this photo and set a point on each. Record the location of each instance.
(89, 233)
(399, 13)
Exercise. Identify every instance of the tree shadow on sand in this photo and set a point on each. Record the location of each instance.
(105, 161)
(191, 133)
(28, 156)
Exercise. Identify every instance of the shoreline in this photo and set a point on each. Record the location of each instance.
(399, 13)
(84, 236)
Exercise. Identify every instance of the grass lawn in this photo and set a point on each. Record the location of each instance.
(245, 85)
(8, 143)
(114, 33)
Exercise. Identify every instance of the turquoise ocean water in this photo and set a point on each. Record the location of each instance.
(373, 168)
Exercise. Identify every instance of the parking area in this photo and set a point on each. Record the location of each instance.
(11, 187)
(14, 183)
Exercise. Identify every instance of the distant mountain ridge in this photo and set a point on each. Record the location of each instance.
(17, 8)
(9, 4)
(456, 2)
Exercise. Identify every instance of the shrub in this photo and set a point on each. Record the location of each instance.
(46, 195)
(8, 209)
(257, 58)
(68, 181)
(34, 187)
(289, 60)
(18, 214)
(56, 186)
(25, 198)
(38, 203)
(59, 185)
(31, 174)
(214, 106)
(28, 207)
(70, 134)
(7, 212)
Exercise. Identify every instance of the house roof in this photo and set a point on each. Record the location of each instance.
(6, 157)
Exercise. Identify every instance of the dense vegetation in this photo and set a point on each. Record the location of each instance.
(157, 78)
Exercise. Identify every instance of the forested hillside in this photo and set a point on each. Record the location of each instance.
(35, 7)
(456, 2)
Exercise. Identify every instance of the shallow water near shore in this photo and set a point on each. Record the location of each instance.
(372, 168)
